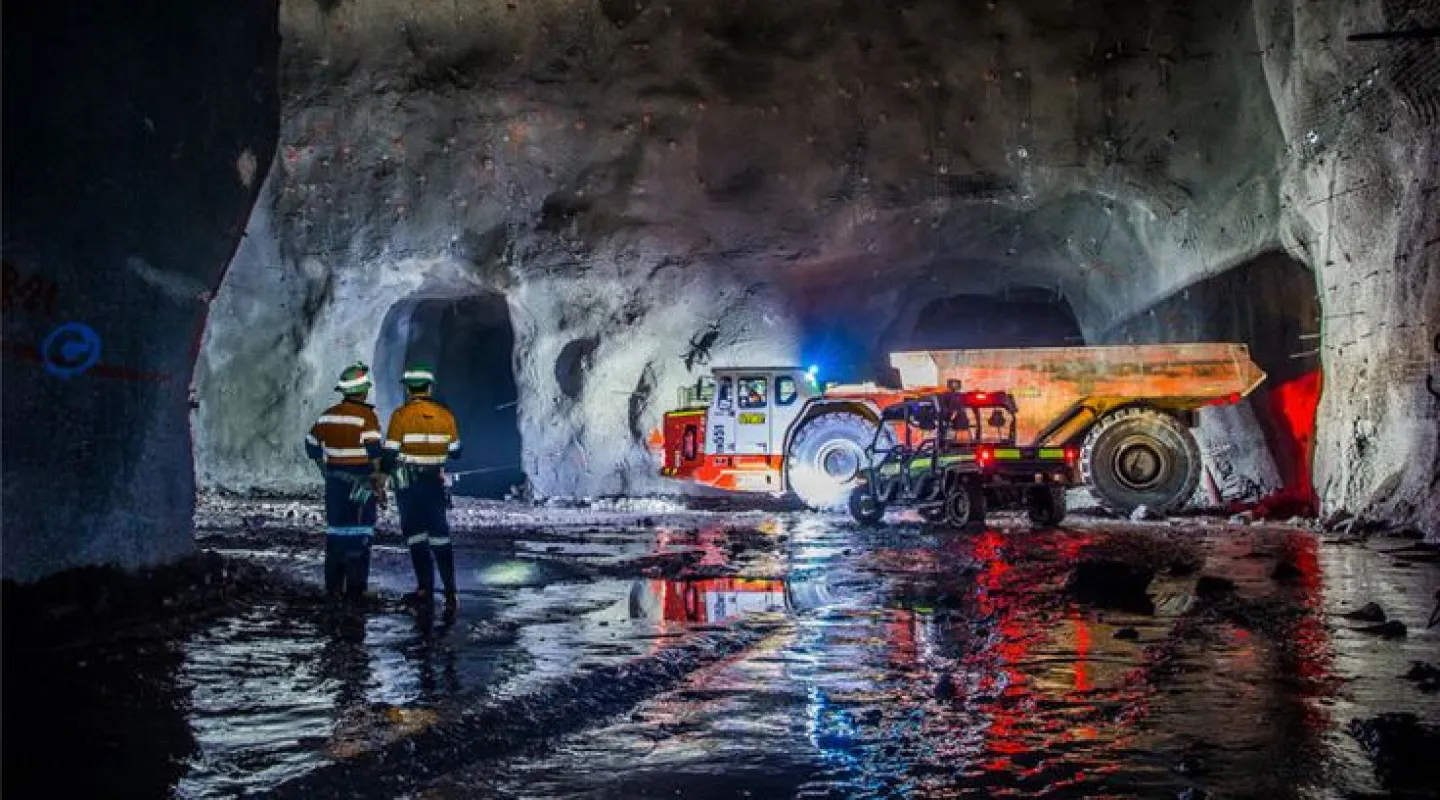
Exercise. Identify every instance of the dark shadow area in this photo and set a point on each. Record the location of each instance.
(1016, 317)
(94, 700)
(470, 343)
(1270, 304)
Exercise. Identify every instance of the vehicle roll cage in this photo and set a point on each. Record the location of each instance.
(949, 423)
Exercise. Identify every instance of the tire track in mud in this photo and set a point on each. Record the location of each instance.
(504, 725)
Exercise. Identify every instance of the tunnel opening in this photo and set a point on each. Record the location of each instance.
(1018, 316)
(470, 343)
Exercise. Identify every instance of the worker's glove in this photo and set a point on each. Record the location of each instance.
(361, 493)
(402, 479)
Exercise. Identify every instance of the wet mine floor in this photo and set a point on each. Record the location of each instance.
(667, 653)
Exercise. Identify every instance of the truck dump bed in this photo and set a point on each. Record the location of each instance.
(1055, 385)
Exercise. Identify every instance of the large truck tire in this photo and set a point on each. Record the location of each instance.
(826, 456)
(1141, 457)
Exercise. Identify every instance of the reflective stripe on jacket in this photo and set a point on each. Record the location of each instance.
(421, 433)
(347, 434)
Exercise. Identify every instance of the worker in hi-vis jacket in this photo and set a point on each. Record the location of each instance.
(345, 443)
(419, 441)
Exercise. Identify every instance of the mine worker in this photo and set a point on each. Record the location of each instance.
(345, 443)
(419, 441)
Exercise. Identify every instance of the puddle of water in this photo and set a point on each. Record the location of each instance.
(896, 661)
(955, 666)
(271, 696)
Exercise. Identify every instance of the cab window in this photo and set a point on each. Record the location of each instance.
(723, 394)
(752, 392)
(785, 390)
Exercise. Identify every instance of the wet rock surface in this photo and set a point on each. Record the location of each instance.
(719, 654)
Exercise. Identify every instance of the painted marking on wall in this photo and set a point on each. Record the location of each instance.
(70, 350)
(31, 354)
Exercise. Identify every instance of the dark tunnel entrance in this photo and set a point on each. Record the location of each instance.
(470, 342)
(1015, 317)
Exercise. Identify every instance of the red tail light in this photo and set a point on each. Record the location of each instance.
(1228, 400)
(1071, 455)
(984, 455)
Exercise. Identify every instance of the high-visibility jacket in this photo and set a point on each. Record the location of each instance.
(422, 433)
(347, 434)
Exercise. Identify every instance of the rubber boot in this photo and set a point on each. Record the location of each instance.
(445, 560)
(420, 559)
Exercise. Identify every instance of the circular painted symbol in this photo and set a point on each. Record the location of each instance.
(70, 349)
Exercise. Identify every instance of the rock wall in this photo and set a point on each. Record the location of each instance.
(1361, 122)
(137, 135)
(658, 187)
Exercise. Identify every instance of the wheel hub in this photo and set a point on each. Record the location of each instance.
(839, 461)
(1139, 463)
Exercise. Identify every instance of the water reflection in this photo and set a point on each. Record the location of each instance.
(716, 600)
(982, 681)
(274, 695)
(941, 665)
(986, 680)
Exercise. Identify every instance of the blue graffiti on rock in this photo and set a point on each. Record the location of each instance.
(70, 349)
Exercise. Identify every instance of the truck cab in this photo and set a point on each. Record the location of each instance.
(731, 427)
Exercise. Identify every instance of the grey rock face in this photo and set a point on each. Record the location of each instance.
(655, 188)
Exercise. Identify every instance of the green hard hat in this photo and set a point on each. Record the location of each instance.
(355, 379)
(418, 376)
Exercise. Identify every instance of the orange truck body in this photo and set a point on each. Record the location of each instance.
(1051, 384)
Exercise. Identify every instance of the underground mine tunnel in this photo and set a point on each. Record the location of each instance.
(579, 215)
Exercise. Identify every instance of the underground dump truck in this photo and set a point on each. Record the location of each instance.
(1126, 410)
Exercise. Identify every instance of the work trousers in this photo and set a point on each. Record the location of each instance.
(347, 565)
(350, 524)
(426, 530)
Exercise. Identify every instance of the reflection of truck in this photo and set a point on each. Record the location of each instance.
(706, 600)
(1127, 409)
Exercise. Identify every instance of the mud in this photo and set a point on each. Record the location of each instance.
(718, 654)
